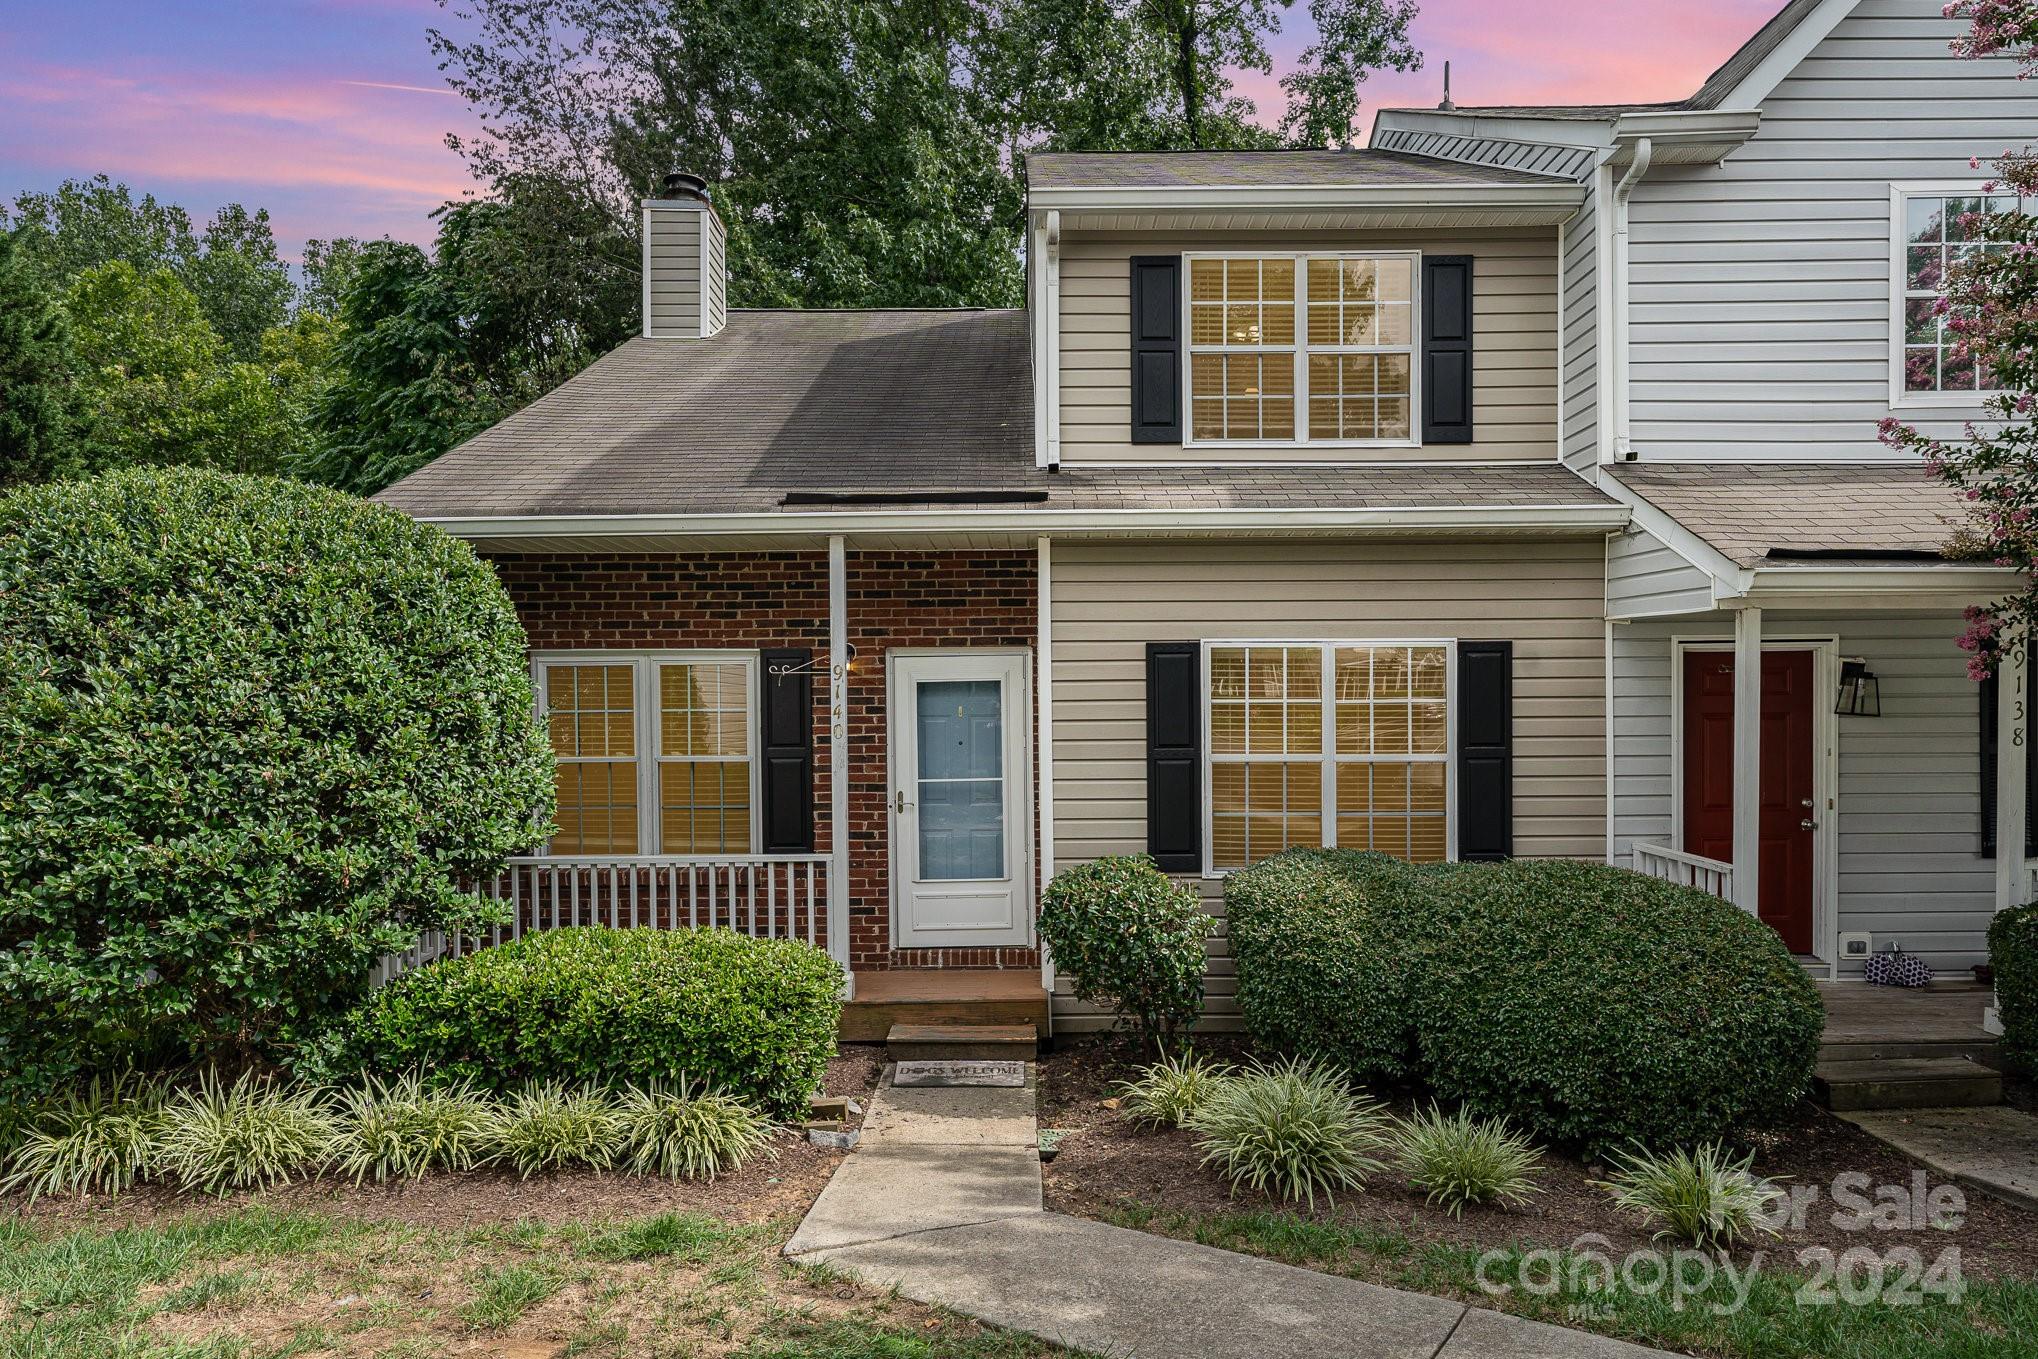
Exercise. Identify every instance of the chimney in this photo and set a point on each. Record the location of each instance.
(685, 262)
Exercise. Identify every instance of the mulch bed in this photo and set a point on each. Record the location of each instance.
(1105, 1163)
(781, 1184)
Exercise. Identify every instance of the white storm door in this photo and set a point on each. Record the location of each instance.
(961, 799)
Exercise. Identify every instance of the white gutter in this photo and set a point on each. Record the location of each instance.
(1032, 523)
(1623, 430)
(1842, 581)
(1274, 197)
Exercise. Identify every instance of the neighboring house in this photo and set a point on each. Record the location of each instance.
(1316, 498)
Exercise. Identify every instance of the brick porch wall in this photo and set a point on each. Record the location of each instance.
(749, 601)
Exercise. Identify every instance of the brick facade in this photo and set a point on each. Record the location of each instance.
(749, 601)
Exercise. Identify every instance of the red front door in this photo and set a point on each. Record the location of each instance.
(1788, 802)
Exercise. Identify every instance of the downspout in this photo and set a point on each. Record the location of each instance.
(1050, 374)
(1623, 427)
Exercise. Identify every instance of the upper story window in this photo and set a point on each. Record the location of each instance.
(1302, 348)
(654, 751)
(1935, 233)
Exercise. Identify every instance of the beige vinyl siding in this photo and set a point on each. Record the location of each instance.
(1110, 600)
(1909, 814)
(1514, 337)
(1645, 577)
(1761, 287)
(675, 282)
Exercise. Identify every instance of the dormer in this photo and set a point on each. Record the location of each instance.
(1267, 307)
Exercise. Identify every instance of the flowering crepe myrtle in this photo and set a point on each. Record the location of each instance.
(1990, 310)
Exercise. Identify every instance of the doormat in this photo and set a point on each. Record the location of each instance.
(960, 1073)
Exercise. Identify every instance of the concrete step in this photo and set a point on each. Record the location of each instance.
(1906, 1083)
(1987, 1051)
(962, 1042)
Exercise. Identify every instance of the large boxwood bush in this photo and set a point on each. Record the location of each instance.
(1596, 1006)
(2013, 954)
(756, 1018)
(251, 735)
(1322, 958)
(1129, 937)
(1589, 1004)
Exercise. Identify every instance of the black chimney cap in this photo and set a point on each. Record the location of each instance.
(680, 184)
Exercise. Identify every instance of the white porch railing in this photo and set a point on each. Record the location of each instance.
(768, 896)
(1690, 870)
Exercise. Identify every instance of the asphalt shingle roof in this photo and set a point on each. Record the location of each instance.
(1257, 169)
(1749, 511)
(881, 406)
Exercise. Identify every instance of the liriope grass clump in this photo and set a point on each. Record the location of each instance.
(1703, 1196)
(1166, 1093)
(403, 1128)
(549, 1126)
(1458, 1159)
(1294, 1130)
(681, 1132)
(100, 1139)
(251, 1134)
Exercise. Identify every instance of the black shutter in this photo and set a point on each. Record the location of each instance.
(1156, 349)
(1447, 349)
(1485, 751)
(785, 714)
(1174, 755)
(1988, 771)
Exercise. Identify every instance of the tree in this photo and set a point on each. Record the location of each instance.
(253, 734)
(156, 384)
(329, 267)
(869, 155)
(231, 267)
(36, 366)
(1989, 312)
(405, 384)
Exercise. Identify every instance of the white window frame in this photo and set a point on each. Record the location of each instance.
(1329, 755)
(1899, 196)
(1301, 350)
(644, 665)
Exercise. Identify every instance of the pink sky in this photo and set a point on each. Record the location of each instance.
(331, 113)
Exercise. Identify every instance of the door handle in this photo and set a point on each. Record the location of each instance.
(899, 802)
(1807, 824)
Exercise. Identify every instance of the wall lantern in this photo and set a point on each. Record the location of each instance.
(1860, 691)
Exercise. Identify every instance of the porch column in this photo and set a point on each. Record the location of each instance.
(1747, 758)
(838, 758)
(2013, 722)
(1043, 696)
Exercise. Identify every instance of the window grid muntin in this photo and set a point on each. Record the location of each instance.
(1327, 758)
(1929, 238)
(598, 716)
(648, 736)
(1415, 680)
(712, 765)
(1300, 349)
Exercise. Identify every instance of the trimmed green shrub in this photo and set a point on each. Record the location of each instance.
(252, 735)
(1703, 1197)
(1592, 1005)
(2013, 954)
(1293, 1129)
(1129, 937)
(755, 1018)
(1321, 954)
(1458, 1159)
(1586, 1004)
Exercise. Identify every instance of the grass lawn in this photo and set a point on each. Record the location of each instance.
(1991, 1318)
(261, 1282)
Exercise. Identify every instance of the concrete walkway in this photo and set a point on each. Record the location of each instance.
(1993, 1150)
(942, 1200)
